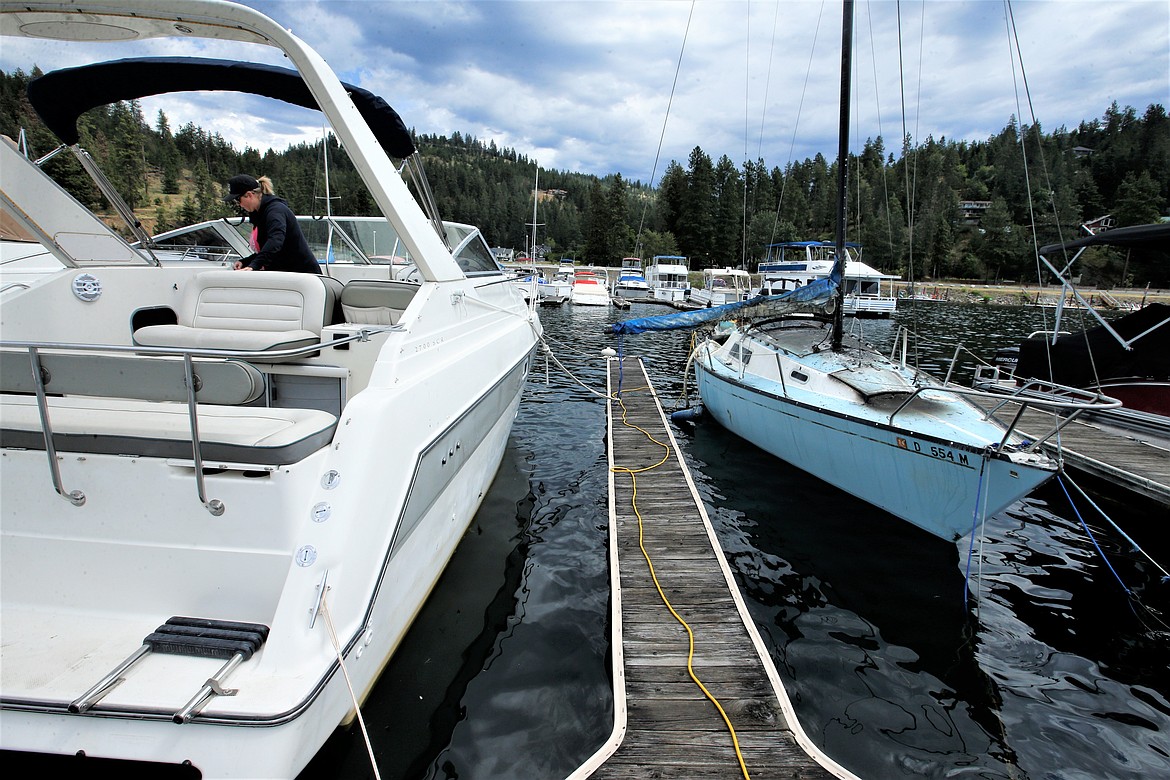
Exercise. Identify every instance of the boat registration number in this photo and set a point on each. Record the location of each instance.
(942, 453)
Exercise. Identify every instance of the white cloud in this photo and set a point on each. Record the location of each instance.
(584, 85)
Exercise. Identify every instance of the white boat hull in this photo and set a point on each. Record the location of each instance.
(284, 710)
(293, 454)
(591, 297)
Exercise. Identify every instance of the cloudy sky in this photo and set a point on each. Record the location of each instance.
(598, 86)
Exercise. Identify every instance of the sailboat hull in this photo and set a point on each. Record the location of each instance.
(935, 483)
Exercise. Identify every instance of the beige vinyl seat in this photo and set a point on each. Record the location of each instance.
(375, 301)
(248, 312)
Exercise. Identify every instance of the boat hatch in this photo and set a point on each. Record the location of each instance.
(873, 382)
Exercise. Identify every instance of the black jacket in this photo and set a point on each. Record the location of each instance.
(282, 244)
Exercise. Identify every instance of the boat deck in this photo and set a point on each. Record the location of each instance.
(1131, 460)
(665, 725)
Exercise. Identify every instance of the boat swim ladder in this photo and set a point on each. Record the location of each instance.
(231, 640)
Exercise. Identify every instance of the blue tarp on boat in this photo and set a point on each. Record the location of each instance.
(817, 293)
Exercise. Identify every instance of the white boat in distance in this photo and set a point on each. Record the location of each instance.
(722, 286)
(792, 264)
(668, 278)
(631, 283)
(786, 377)
(227, 494)
(589, 288)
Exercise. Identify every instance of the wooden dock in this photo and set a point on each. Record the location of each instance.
(665, 726)
(1125, 458)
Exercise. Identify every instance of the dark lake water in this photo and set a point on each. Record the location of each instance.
(1057, 666)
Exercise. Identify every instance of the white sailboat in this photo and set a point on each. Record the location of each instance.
(227, 494)
(786, 377)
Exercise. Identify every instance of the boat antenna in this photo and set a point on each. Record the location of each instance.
(842, 169)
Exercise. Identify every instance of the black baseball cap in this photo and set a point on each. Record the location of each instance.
(239, 185)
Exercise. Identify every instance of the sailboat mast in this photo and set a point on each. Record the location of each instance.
(842, 169)
(535, 200)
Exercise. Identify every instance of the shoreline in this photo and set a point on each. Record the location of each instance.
(1031, 294)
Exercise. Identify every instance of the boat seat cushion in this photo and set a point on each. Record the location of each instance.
(375, 301)
(248, 312)
(217, 381)
(235, 434)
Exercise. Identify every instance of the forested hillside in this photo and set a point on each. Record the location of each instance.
(970, 216)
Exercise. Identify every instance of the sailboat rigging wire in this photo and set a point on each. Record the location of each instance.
(882, 163)
(665, 119)
(1017, 56)
(654, 576)
(768, 81)
(747, 65)
(1136, 547)
(909, 154)
(975, 532)
(795, 127)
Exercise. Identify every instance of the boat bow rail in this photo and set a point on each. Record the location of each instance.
(1067, 403)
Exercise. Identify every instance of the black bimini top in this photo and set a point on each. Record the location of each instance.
(60, 97)
(1152, 236)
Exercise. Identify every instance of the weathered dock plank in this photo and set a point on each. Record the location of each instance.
(665, 726)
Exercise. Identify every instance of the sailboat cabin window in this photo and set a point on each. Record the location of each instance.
(742, 355)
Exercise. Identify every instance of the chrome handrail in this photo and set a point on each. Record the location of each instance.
(1088, 401)
(214, 505)
(363, 334)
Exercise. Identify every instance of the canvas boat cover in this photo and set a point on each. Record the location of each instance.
(1146, 236)
(60, 97)
(1079, 359)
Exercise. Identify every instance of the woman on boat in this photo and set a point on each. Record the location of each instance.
(277, 239)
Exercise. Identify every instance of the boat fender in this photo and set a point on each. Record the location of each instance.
(688, 415)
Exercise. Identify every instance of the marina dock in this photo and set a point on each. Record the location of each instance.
(1125, 458)
(665, 725)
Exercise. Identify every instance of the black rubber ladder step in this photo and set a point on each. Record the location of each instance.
(207, 638)
(203, 637)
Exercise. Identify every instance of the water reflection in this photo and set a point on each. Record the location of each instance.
(1053, 670)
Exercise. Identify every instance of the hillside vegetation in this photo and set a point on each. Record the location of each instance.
(1116, 165)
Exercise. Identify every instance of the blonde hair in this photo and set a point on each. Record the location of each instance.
(265, 185)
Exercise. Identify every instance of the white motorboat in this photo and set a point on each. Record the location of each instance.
(721, 286)
(227, 494)
(1127, 358)
(589, 288)
(631, 282)
(668, 278)
(791, 264)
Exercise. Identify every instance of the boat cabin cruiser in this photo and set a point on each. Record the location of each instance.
(590, 288)
(631, 283)
(793, 264)
(227, 494)
(668, 277)
(723, 285)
